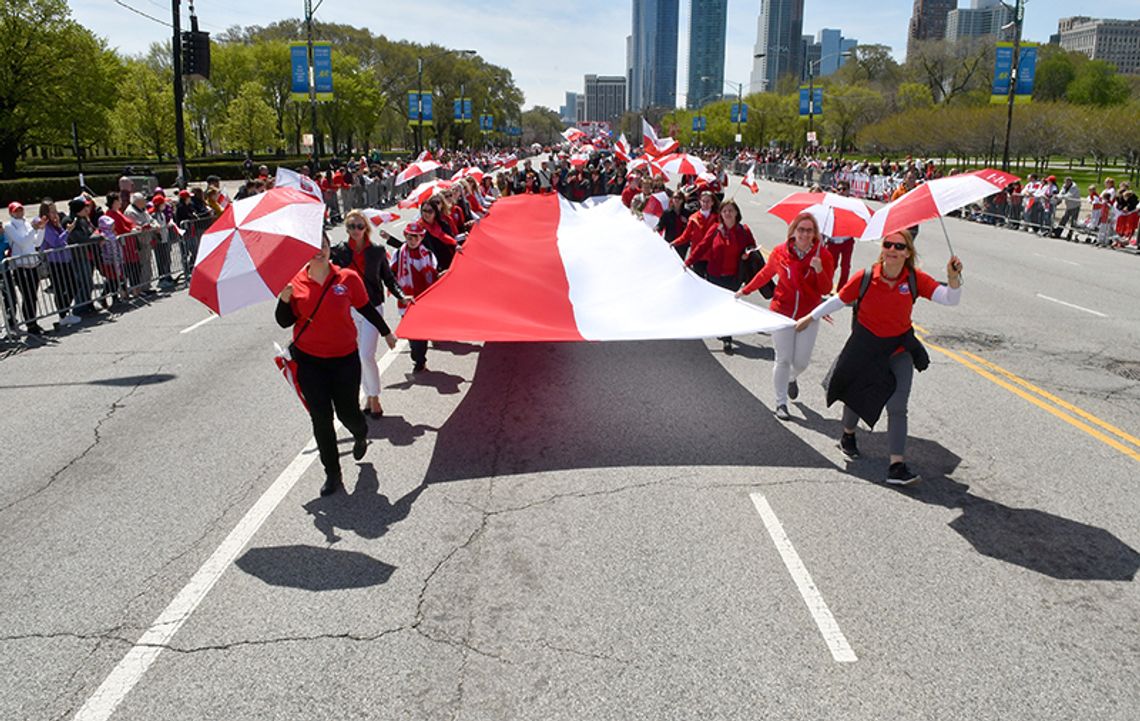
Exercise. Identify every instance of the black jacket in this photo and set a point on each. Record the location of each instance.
(377, 271)
(862, 377)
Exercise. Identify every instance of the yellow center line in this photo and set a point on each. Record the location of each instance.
(1075, 422)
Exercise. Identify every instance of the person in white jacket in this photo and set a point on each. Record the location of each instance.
(22, 268)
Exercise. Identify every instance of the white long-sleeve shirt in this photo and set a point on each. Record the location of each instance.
(23, 240)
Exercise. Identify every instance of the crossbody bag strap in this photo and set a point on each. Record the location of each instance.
(328, 284)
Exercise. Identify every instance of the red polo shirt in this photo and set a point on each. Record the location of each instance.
(332, 333)
(885, 310)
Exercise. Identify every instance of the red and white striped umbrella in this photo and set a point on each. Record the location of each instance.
(573, 135)
(578, 161)
(643, 164)
(255, 248)
(379, 217)
(470, 172)
(837, 215)
(934, 199)
(682, 164)
(423, 193)
(655, 206)
(415, 170)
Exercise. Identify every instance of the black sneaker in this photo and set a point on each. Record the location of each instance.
(332, 483)
(848, 446)
(359, 447)
(900, 475)
(419, 368)
(793, 390)
(782, 413)
(728, 347)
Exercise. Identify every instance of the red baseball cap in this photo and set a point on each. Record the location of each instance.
(415, 228)
(15, 207)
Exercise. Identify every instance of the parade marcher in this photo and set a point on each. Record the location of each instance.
(803, 269)
(722, 250)
(842, 247)
(438, 239)
(318, 303)
(370, 262)
(672, 222)
(416, 269)
(697, 227)
(876, 366)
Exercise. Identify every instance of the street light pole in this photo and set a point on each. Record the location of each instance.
(179, 127)
(739, 111)
(1017, 15)
(312, 84)
(419, 105)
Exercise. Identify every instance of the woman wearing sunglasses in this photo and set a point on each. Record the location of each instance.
(876, 366)
(803, 269)
(371, 263)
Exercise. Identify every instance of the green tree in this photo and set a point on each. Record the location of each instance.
(1096, 83)
(913, 95)
(47, 61)
(541, 125)
(953, 70)
(847, 109)
(144, 113)
(250, 121)
(1056, 70)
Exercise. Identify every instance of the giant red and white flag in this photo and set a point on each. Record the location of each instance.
(543, 269)
(621, 149)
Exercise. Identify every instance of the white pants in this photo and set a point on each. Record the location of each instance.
(367, 339)
(793, 353)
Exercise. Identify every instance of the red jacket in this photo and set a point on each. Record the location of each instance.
(799, 289)
(628, 193)
(723, 248)
(696, 229)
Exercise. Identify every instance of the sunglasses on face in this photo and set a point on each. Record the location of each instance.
(897, 246)
(356, 226)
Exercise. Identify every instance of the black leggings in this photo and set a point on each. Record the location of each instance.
(330, 384)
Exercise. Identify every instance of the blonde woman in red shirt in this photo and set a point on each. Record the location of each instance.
(803, 269)
(876, 366)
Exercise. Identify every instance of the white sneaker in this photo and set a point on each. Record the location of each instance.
(70, 319)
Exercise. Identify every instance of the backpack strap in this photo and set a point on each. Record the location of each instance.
(912, 279)
(864, 284)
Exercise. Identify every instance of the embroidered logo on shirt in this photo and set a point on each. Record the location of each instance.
(340, 289)
(904, 288)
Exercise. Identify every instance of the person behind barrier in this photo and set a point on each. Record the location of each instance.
(144, 240)
(317, 303)
(370, 262)
(84, 256)
(24, 263)
(803, 269)
(59, 260)
(876, 366)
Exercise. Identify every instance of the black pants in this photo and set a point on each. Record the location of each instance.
(728, 282)
(419, 351)
(28, 281)
(330, 384)
(162, 260)
(63, 285)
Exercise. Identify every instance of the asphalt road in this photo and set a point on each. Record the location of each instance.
(574, 531)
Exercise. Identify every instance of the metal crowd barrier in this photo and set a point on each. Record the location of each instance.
(83, 278)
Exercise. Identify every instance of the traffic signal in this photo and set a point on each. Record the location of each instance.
(196, 54)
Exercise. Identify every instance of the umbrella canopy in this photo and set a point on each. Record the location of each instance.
(643, 164)
(682, 164)
(255, 248)
(934, 199)
(423, 193)
(837, 215)
(655, 206)
(415, 170)
(379, 217)
(472, 171)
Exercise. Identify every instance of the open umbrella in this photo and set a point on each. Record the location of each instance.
(682, 164)
(645, 165)
(415, 170)
(472, 171)
(255, 248)
(423, 193)
(655, 206)
(837, 215)
(933, 199)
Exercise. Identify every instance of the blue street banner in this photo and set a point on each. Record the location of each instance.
(417, 103)
(700, 124)
(514, 130)
(739, 113)
(322, 72)
(461, 109)
(1003, 69)
(486, 123)
(812, 106)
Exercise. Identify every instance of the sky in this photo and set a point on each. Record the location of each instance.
(548, 46)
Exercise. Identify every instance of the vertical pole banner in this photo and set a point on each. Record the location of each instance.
(299, 63)
(322, 70)
(1026, 72)
(1003, 67)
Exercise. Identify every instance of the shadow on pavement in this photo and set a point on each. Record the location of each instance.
(1042, 542)
(363, 511)
(123, 381)
(446, 383)
(754, 352)
(455, 347)
(535, 407)
(314, 569)
(396, 430)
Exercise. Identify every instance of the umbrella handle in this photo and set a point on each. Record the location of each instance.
(961, 277)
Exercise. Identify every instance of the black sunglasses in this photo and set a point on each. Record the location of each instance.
(356, 226)
(896, 246)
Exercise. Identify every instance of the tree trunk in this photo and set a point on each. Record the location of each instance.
(9, 153)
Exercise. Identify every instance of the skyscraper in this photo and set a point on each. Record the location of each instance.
(653, 54)
(779, 43)
(605, 98)
(707, 20)
(985, 17)
(928, 22)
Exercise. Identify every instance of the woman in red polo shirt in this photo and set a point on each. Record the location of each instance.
(803, 269)
(877, 364)
(318, 303)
